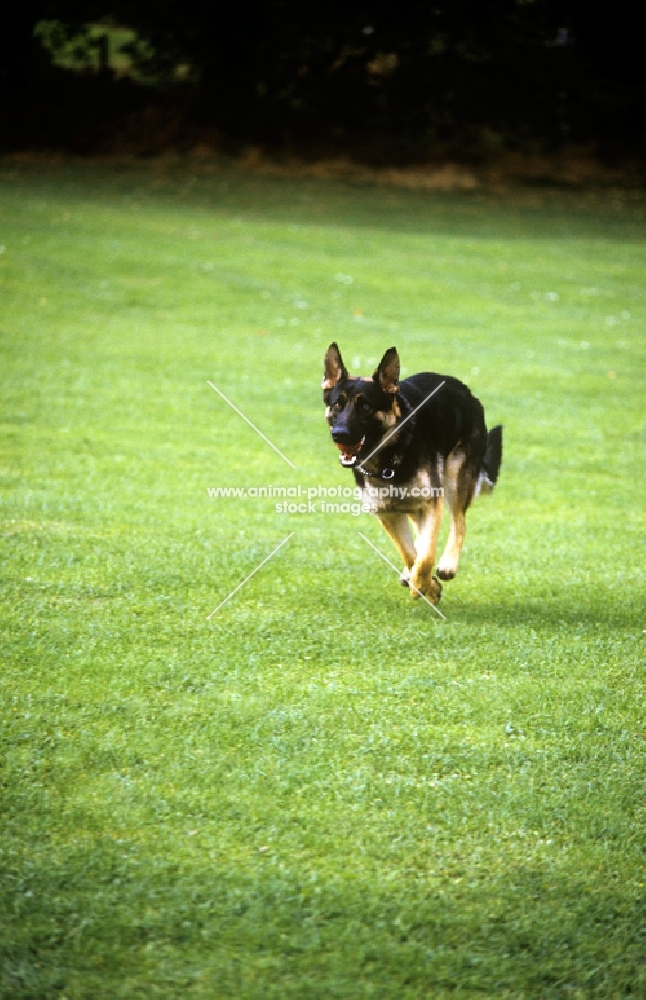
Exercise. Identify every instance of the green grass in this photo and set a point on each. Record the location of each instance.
(324, 791)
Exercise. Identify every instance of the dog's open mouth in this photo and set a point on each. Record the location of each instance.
(349, 452)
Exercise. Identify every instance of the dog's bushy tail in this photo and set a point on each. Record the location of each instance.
(491, 462)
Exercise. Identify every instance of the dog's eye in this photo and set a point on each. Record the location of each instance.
(365, 407)
(338, 405)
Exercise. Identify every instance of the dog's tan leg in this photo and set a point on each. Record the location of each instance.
(459, 488)
(397, 527)
(448, 564)
(428, 525)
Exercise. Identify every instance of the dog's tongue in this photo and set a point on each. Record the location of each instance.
(349, 449)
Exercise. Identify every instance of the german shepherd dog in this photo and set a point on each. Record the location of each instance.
(410, 445)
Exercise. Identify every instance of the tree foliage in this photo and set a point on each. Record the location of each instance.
(414, 72)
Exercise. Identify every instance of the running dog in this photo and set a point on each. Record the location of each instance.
(411, 445)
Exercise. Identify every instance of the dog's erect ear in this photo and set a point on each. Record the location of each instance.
(387, 374)
(335, 370)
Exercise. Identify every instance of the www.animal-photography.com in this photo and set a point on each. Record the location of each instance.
(322, 503)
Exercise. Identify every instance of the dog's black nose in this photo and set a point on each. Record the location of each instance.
(340, 436)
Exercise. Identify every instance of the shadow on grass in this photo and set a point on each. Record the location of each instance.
(551, 614)
(92, 928)
(225, 187)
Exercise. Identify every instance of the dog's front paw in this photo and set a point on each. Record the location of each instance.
(431, 589)
(404, 577)
(446, 572)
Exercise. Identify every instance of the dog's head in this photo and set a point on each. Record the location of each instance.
(359, 410)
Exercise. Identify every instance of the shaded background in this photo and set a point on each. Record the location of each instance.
(398, 83)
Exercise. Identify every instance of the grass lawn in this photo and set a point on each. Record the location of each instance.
(323, 790)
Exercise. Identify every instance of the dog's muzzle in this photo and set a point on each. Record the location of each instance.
(349, 452)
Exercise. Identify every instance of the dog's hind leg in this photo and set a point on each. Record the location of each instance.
(397, 527)
(459, 488)
(428, 523)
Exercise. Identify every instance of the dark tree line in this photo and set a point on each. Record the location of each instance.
(406, 74)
